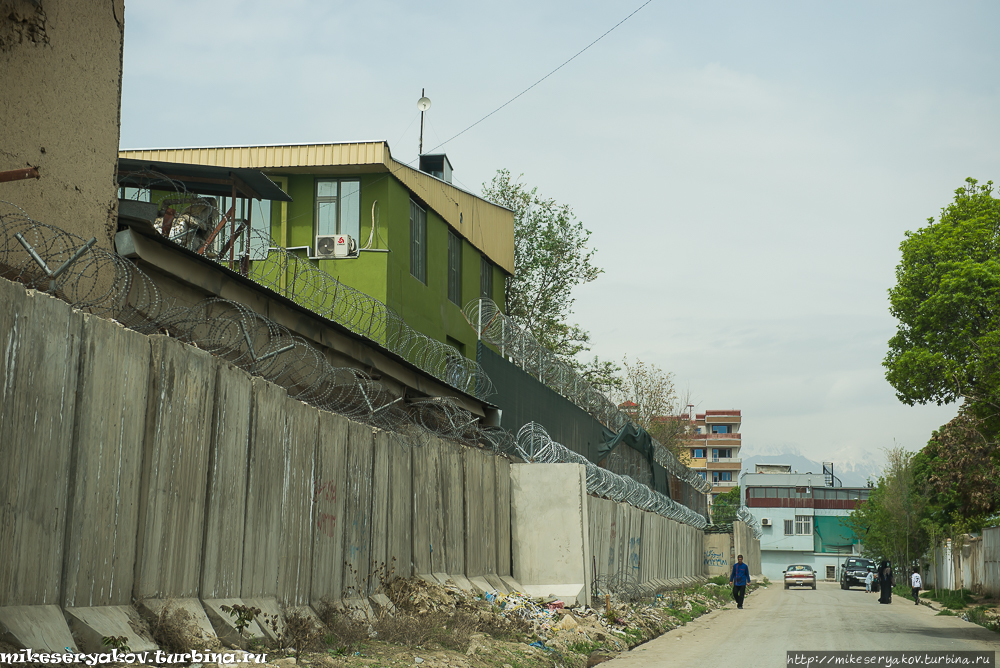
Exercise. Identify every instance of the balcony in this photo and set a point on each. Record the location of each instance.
(735, 436)
(724, 483)
(724, 464)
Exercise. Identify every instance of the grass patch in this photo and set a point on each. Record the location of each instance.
(977, 615)
(953, 599)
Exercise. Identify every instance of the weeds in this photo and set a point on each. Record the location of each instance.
(243, 616)
(119, 643)
(171, 629)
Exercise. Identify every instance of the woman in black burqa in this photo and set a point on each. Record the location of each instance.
(885, 582)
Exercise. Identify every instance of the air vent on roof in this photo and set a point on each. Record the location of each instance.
(436, 164)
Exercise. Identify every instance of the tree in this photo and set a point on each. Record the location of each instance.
(890, 524)
(651, 400)
(959, 472)
(725, 507)
(947, 301)
(551, 257)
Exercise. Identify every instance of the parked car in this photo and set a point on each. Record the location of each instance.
(799, 575)
(855, 571)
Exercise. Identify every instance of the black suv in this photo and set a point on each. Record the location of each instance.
(855, 571)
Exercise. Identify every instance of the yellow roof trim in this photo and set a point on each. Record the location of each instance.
(488, 227)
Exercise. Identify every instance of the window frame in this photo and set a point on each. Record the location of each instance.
(337, 201)
(454, 268)
(418, 242)
(789, 527)
(803, 525)
(485, 278)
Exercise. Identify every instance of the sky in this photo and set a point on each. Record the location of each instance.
(747, 170)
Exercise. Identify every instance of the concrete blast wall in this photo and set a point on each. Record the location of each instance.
(744, 543)
(139, 467)
(626, 542)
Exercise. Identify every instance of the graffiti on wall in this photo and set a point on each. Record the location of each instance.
(714, 557)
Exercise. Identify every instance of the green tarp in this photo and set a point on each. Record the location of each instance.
(832, 536)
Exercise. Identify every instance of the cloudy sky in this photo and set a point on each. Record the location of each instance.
(747, 169)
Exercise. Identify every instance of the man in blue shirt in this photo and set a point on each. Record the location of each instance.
(740, 578)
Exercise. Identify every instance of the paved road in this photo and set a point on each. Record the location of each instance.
(774, 621)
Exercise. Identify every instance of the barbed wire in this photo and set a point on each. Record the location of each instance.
(524, 350)
(535, 445)
(97, 281)
(744, 515)
(196, 223)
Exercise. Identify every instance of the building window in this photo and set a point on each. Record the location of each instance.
(722, 476)
(723, 453)
(338, 208)
(698, 453)
(789, 528)
(703, 474)
(485, 278)
(720, 428)
(803, 525)
(418, 242)
(454, 268)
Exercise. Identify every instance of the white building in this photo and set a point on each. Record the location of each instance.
(800, 516)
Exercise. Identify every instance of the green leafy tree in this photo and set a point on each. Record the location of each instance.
(725, 507)
(650, 399)
(890, 523)
(551, 257)
(947, 301)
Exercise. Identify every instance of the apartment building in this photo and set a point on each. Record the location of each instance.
(713, 444)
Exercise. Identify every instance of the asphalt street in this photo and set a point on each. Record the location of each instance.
(775, 620)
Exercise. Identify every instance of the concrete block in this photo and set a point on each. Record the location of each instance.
(550, 541)
(41, 628)
(296, 527)
(358, 500)
(39, 364)
(496, 583)
(442, 578)
(380, 603)
(175, 457)
(225, 504)
(462, 582)
(270, 614)
(184, 611)
(359, 608)
(428, 514)
(92, 625)
(223, 622)
(104, 491)
(328, 509)
(399, 539)
(428, 578)
(512, 584)
(453, 488)
(482, 585)
(570, 594)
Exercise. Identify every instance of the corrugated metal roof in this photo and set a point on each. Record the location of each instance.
(488, 227)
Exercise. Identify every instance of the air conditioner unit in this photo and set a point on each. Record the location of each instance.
(764, 522)
(335, 245)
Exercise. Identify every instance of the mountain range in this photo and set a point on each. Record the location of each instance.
(851, 472)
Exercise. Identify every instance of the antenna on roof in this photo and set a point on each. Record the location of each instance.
(423, 104)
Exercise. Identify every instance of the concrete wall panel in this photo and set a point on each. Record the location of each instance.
(298, 489)
(174, 470)
(378, 548)
(269, 440)
(453, 486)
(107, 465)
(222, 564)
(39, 354)
(502, 465)
(428, 516)
(480, 513)
(328, 508)
(358, 509)
(399, 549)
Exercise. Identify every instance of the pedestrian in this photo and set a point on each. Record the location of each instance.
(916, 583)
(885, 581)
(868, 582)
(739, 578)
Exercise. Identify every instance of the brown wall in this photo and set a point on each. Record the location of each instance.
(61, 74)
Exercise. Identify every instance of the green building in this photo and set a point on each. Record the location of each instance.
(407, 237)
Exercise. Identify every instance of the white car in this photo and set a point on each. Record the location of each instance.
(799, 575)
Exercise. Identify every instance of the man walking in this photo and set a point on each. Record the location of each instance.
(916, 583)
(739, 578)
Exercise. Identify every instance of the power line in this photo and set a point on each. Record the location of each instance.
(573, 57)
